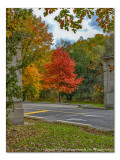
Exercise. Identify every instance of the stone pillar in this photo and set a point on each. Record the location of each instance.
(17, 116)
(108, 62)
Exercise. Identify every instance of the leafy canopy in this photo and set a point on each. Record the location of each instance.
(68, 20)
(31, 80)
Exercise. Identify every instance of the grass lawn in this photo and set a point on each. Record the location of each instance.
(41, 136)
(94, 104)
(34, 101)
(98, 105)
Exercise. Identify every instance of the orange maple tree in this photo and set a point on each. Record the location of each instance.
(60, 73)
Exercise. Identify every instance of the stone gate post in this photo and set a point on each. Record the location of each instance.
(17, 116)
(108, 64)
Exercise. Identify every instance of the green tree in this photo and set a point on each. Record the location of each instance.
(86, 54)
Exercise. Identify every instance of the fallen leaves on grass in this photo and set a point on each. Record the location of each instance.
(41, 136)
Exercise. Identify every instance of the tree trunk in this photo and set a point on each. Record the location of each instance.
(31, 96)
(59, 97)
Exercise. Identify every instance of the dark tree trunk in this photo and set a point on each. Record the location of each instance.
(31, 96)
(59, 97)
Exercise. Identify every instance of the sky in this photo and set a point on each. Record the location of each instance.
(89, 27)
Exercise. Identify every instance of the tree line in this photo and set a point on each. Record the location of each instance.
(23, 26)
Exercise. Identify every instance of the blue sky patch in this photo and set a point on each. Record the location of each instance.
(94, 24)
(51, 27)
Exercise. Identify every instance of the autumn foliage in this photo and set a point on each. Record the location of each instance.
(31, 80)
(60, 73)
(43, 68)
(105, 17)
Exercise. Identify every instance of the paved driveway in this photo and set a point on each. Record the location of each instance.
(101, 119)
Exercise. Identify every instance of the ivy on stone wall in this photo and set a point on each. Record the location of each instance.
(14, 17)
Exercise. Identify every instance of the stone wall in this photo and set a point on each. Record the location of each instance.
(17, 116)
(108, 82)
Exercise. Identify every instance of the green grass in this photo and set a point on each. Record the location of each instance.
(98, 105)
(35, 101)
(94, 104)
(41, 136)
(80, 103)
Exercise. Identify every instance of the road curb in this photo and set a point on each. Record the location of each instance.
(62, 103)
(103, 108)
(33, 117)
(82, 124)
(73, 123)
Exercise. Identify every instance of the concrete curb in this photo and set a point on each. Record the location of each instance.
(62, 103)
(73, 123)
(33, 117)
(101, 108)
(82, 124)
(89, 106)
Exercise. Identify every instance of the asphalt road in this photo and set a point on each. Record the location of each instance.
(101, 119)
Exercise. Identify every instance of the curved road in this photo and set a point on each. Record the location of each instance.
(100, 119)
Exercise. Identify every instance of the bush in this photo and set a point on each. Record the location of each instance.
(98, 97)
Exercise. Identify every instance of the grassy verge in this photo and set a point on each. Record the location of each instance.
(94, 104)
(41, 136)
(80, 103)
(98, 105)
(35, 101)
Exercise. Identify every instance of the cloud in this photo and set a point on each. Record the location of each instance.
(89, 27)
(84, 30)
